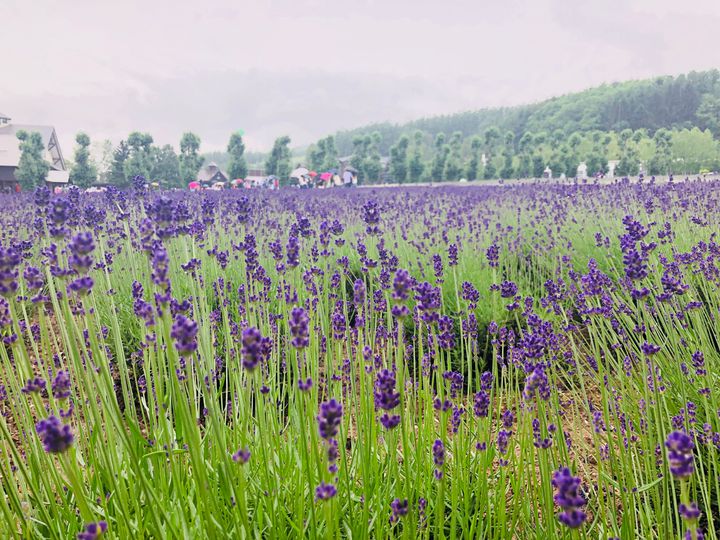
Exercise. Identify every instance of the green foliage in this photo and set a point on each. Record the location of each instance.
(323, 155)
(139, 162)
(83, 173)
(538, 166)
(669, 102)
(693, 150)
(366, 157)
(32, 170)
(237, 166)
(117, 174)
(165, 167)
(190, 159)
(453, 164)
(708, 113)
(278, 162)
(399, 160)
(441, 154)
(472, 171)
(416, 166)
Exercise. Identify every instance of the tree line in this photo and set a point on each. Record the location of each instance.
(418, 157)
(685, 101)
(135, 155)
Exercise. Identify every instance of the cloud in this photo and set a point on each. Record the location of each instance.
(309, 67)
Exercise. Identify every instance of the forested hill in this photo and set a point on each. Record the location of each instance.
(668, 102)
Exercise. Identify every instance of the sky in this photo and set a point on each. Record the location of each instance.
(307, 68)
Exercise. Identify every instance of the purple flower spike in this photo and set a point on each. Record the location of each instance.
(680, 454)
(55, 436)
(325, 492)
(568, 496)
(329, 418)
(184, 332)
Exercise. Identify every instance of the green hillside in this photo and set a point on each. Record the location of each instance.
(685, 101)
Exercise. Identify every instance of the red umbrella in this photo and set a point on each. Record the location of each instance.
(313, 174)
(193, 185)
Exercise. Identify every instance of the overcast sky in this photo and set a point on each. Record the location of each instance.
(309, 67)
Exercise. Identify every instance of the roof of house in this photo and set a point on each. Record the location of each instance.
(10, 146)
(211, 169)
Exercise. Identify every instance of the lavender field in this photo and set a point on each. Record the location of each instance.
(527, 361)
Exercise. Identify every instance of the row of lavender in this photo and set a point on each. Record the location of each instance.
(497, 362)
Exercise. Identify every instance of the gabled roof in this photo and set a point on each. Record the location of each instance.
(211, 169)
(10, 145)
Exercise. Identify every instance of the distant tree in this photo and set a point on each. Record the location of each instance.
(104, 149)
(237, 167)
(694, 150)
(708, 113)
(538, 166)
(507, 170)
(32, 170)
(83, 173)
(165, 167)
(525, 149)
(117, 174)
(330, 152)
(441, 153)
(373, 163)
(139, 162)
(472, 170)
(416, 167)
(316, 155)
(492, 138)
(628, 164)
(453, 163)
(190, 158)
(278, 162)
(399, 159)
(661, 161)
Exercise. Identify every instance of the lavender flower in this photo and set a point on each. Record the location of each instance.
(568, 496)
(680, 454)
(55, 436)
(329, 418)
(386, 397)
(255, 348)
(299, 328)
(93, 531)
(438, 451)
(325, 492)
(242, 456)
(184, 333)
(398, 509)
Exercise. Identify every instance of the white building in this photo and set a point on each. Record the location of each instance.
(10, 152)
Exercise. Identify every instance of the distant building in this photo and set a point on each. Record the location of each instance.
(611, 166)
(10, 152)
(582, 170)
(211, 173)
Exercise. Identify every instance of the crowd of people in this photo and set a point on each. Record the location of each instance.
(305, 179)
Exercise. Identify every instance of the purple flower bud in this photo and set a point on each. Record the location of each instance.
(55, 436)
(680, 454)
(93, 531)
(329, 418)
(568, 496)
(184, 332)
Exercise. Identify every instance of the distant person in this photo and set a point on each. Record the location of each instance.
(347, 179)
